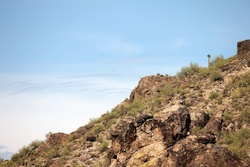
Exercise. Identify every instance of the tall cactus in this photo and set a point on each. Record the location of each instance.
(209, 63)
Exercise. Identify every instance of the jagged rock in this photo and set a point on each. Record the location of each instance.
(91, 138)
(243, 47)
(214, 123)
(136, 140)
(148, 86)
(191, 151)
(199, 118)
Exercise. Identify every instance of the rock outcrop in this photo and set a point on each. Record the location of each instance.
(243, 47)
(162, 140)
(149, 86)
(141, 139)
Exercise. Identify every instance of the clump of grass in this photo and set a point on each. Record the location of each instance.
(135, 107)
(218, 62)
(103, 146)
(52, 153)
(245, 114)
(216, 76)
(213, 95)
(227, 115)
(238, 141)
(189, 71)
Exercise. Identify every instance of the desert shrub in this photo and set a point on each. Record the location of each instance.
(204, 72)
(228, 115)
(189, 71)
(35, 144)
(238, 141)
(244, 80)
(103, 146)
(66, 150)
(167, 91)
(93, 120)
(48, 135)
(115, 113)
(110, 122)
(25, 151)
(245, 114)
(213, 95)
(197, 130)
(218, 62)
(52, 153)
(216, 76)
(135, 107)
(97, 129)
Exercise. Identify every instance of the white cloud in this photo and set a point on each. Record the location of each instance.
(115, 45)
(179, 43)
(31, 106)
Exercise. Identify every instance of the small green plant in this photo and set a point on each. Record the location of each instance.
(218, 62)
(238, 141)
(52, 153)
(103, 146)
(228, 115)
(135, 107)
(197, 130)
(245, 114)
(213, 95)
(205, 72)
(216, 76)
(189, 71)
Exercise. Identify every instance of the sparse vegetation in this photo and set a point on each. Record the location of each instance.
(103, 146)
(218, 62)
(189, 71)
(213, 95)
(238, 142)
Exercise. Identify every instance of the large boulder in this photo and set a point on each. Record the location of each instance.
(138, 139)
(149, 86)
(243, 47)
(193, 151)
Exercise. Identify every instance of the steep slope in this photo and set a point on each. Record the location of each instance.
(200, 117)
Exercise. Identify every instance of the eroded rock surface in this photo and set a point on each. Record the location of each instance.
(142, 138)
(162, 140)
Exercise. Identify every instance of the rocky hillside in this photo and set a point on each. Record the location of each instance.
(200, 117)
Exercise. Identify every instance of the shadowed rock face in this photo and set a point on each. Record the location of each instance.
(162, 140)
(134, 137)
(198, 151)
(243, 47)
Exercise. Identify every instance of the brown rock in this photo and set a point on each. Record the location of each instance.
(190, 152)
(199, 118)
(137, 140)
(214, 123)
(243, 47)
(148, 86)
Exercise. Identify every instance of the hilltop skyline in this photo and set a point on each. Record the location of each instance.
(62, 63)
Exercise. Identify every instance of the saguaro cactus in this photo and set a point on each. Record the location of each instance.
(208, 56)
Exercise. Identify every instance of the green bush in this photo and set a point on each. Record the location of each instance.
(245, 80)
(228, 115)
(103, 146)
(218, 62)
(216, 76)
(238, 141)
(189, 71)
(213, 95)
(52, 153)
(245, 114)
(205, 72)
(135, 107)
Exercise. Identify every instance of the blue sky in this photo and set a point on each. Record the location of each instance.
(63, 62)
